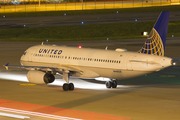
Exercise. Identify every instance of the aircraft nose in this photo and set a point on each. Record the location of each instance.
(166, 62)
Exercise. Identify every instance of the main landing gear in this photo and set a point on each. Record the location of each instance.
(67, 86)
(111, 84)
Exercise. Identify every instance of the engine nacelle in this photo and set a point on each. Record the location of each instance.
(40, 77)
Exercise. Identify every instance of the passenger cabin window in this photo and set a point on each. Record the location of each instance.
(78, 58)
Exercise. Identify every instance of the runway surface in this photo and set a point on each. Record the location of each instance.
(152, 97)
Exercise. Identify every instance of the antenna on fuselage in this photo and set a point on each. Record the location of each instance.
(42, 43)
(106, 48)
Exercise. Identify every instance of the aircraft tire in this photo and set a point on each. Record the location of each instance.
(71, 86)
(114, 84)
(108, 84)
(65, 86)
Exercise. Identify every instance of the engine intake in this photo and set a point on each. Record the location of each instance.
(49, 78)
(40, 77)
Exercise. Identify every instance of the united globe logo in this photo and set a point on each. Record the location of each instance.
(153, 44)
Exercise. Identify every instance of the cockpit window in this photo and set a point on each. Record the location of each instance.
(25, 53)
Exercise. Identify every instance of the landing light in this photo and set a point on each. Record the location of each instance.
(173, 62)
(102, 79)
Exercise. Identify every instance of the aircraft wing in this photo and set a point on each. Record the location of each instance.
(56, 69)
(147, 62)
(29, 67)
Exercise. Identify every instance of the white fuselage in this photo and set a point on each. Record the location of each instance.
(90, 63)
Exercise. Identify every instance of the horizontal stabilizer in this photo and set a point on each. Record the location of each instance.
(176, 59)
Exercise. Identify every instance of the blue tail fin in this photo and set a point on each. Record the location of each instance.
(155, 43)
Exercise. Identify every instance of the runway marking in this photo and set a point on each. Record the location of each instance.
(35, 114)
(54, 112)
(13, 115)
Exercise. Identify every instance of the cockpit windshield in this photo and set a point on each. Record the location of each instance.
(25, 53)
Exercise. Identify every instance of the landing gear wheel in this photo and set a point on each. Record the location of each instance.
(108, 84)
(114, 84)
(65, 87)
(71, 86)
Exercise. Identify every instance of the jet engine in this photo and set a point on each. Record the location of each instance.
(40, 77)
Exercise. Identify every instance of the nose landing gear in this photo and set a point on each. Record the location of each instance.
(111, 84)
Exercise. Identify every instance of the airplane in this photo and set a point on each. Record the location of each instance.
(45, 61)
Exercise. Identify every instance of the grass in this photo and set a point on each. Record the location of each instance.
(99, 11)
(113, 31)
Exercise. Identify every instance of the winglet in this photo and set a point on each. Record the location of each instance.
(6, 66)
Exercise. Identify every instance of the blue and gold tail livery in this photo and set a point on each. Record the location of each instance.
(155, 43)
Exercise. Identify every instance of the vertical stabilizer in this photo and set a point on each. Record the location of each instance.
(155, 43)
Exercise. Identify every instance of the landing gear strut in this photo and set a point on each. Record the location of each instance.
(112, 84)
